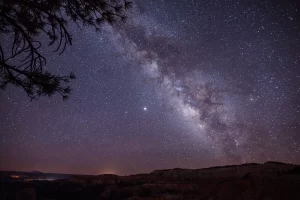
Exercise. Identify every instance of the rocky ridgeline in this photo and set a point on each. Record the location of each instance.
(178, 174)
(253, 169)
(268, 181)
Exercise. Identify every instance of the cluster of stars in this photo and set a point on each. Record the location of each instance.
(180, 84)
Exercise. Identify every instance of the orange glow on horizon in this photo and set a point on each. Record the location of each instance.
(108, 171)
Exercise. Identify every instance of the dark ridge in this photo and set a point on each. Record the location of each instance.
(228, 166)
(275, 162)
(250, 164)
(36, 172)
(271, 181)
(220, 167)
(174, 169)
(108, 175)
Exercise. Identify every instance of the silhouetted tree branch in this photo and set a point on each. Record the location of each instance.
(21, 62)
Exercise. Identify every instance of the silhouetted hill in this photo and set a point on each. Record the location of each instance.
(36, 172)
(271, 180)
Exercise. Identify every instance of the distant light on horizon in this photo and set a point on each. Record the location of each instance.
(108, 171)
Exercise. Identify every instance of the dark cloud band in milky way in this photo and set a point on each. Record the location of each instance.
(216, 108)
(201, 101)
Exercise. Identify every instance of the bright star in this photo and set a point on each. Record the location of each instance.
(145, 108)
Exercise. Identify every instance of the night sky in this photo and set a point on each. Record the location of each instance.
(187, 84)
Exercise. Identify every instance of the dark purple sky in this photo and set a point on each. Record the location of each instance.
(181, 84)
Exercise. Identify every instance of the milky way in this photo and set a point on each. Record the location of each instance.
(180, 84)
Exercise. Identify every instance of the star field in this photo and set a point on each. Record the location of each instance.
(185, 84)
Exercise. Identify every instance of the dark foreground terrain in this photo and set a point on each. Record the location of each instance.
(271, 180)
